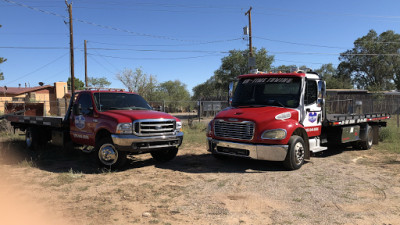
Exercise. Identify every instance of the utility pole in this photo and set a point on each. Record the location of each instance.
(71, 47)
(252, 61)
(86, 77)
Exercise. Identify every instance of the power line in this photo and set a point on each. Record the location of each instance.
(169, 58)
(100, 25)
(112, 49)
(296, 43)
(99, 63)
(38, 69)
(200, 43)
(304, 63)
(200, 51)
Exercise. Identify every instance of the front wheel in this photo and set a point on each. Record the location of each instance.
(296, 152)
(108, 155)
(165, 154)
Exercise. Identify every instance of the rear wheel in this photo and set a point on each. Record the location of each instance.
(368, 139)
(296, 152)
(108, 155)
(165, 154)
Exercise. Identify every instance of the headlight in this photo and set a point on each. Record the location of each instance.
(124, 128)
(209, 128)
(283, 116)
(179, 126)
(278, 134)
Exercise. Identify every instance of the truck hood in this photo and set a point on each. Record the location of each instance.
(256, 114)
(132, 115)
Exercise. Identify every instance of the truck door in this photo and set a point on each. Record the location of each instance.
(83, 123)
(313, 113)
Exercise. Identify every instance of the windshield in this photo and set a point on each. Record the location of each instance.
(267, 91)
(109, 101)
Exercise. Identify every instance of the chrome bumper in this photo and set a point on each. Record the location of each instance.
(254, 151)
(133, 142)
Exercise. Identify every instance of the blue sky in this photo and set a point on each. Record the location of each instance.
(178, 39)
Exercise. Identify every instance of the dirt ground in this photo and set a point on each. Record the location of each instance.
(337, 187)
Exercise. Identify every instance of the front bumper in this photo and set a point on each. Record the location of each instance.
(254, 151)
(136, 144)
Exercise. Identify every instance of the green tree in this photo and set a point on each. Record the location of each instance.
(333, 79)
(373, 63)
(209, 91)
(1, 61)
(176, 93)
(233, 65)
(236, 63)
(79, 85)
(98, 82)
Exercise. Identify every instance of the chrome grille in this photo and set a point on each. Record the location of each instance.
(235, 130)
(154, 127)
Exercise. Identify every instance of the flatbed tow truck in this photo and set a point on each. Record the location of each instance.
(282, 117)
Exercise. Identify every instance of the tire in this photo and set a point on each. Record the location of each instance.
(108, 156)
(368, 139)
(296, 152)
(165, 154)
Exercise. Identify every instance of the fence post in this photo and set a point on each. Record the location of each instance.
(163, 106)
(398, 112)
(199, 111)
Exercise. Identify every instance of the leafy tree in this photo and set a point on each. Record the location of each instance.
(174, 92)
(98, 82)
(333, 79)
(209, 91)
(140, 82)
(1, 61)
(79, 85)
(233, 65)
(373, 63)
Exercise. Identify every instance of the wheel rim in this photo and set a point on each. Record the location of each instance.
(28, 138)
(108, 155)
(299, 153)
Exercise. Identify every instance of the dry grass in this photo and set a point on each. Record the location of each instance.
(337, 187)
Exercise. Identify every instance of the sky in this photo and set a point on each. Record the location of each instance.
(177, 39)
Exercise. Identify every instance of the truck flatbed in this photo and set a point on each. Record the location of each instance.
(343, 119)
(51, 121)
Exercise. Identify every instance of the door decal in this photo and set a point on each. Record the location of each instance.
(312, 117)
(80, 122)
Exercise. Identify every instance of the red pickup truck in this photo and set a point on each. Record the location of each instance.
(112, 123)
(282, 117)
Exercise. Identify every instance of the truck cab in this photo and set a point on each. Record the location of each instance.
(115, 123)
(275, 117)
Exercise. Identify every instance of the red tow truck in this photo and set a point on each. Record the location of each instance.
(282, 117)
(111, 123)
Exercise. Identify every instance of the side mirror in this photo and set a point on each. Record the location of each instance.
(321, 93)
(77, 109)
(230, 93)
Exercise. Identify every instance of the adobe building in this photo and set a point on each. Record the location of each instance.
(43, 100)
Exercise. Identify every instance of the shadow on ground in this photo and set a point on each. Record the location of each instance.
(58, 160)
